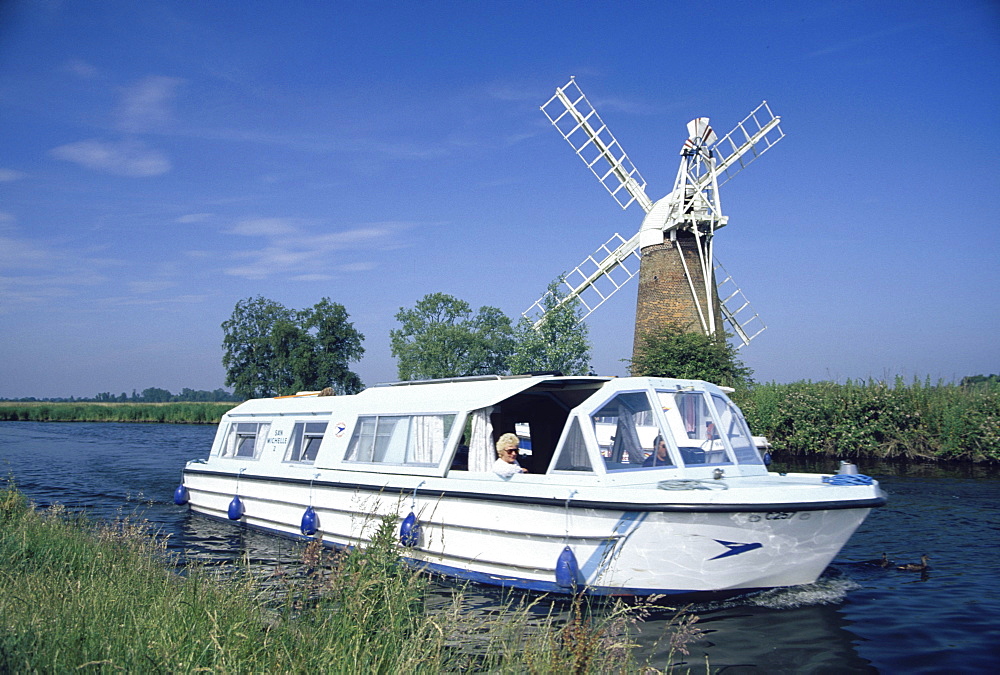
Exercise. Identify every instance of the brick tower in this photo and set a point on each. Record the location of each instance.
(665, 292)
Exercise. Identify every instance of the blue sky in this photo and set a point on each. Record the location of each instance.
(160, 161)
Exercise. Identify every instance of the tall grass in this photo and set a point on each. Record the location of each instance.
(178, 412)
(98, 597)
(914, 420)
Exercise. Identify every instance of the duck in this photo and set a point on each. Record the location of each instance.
(915, 567)
(882, 562)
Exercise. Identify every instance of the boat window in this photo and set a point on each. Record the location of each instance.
(693, 427)
(305, 442)
(416, 440)
(245, 440)
(573, 455)
(628, 434)
(734, 426)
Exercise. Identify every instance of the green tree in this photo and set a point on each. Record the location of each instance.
(440, 337)
(271, 350)
(675, 352)
(248, 355)
(156, 395)
(559, 343)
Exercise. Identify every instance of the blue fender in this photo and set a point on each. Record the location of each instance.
(567, 569)
(409, 531)
(310, 522)
(236, 509)
(181, 495)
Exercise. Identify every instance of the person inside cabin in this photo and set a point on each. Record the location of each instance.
(659, 456)
(506, 464)
(710, 432)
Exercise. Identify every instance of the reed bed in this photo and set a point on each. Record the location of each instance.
(82, 596)
(177, 412)
(873, 419)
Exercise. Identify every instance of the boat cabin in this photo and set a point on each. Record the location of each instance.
(614, 429)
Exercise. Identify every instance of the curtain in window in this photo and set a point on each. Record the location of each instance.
(574, 455)
(261, 439)
(482, 452)
(626, 436)
(229, 446)
(427, 439)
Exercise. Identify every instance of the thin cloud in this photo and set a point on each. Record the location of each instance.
(22, 254)
(512, 93)
(313, 277)
(193, 218)
(33, 289)
(38, 272)
(143, 287)
(309, 257)
(357, 267)
(264, 227)
(82, 69)
(148, 104)
(123, 158)
(854, 43)
(144, 301)
(10, 175)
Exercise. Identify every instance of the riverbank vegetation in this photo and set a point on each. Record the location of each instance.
(101, 596)
(869, 419)
(148, 395)
(177, 413)
(874, 419)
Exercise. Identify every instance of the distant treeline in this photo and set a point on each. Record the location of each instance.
(864, 419)
(874, 419)
(149, 395)
(65, 411)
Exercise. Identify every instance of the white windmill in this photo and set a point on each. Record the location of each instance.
(673, 250)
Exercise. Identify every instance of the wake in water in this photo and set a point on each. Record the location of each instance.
(830, 589)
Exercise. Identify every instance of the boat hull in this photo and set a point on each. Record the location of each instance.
(679, 546)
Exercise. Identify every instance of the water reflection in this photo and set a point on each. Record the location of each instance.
(800, 629)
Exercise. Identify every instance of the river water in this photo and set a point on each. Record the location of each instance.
(856, 618)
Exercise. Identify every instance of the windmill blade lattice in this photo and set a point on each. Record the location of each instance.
(752, 137)
(745, 323)
(572, 114)
(596, 279)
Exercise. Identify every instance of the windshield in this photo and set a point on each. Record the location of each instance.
(693, 427)
(628, 434)
(733, 426)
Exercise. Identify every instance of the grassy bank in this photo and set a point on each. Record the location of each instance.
(99, 597)
(873, 419)
(178, 413)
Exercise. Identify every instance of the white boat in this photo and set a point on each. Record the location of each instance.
(593, 512)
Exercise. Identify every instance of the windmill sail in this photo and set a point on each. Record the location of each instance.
(751, 138)
(745, 323)
(596, 279)
(571, 113)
